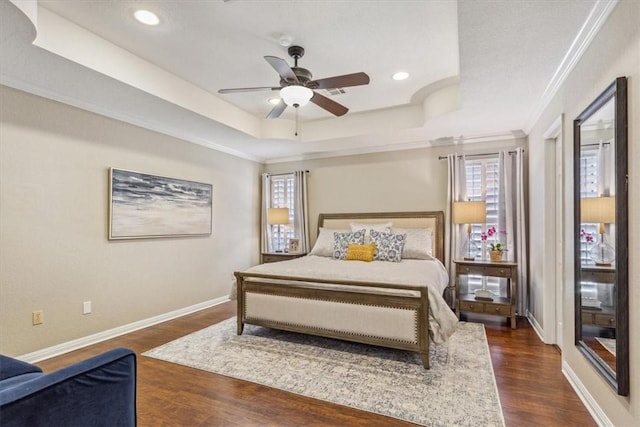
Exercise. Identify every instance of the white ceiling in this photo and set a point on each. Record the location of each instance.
(479, 69)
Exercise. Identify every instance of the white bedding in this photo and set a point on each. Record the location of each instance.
(429, 273)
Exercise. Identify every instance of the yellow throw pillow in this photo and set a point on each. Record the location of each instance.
(360, 252)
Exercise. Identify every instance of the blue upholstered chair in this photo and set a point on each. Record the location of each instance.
(99, 391)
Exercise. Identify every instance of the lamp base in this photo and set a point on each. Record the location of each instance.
(603, 264)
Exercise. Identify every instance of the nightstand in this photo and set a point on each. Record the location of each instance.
(503, 304)
(600, 280)
(279, 256)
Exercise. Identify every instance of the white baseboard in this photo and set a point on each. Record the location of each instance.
(59, 349)
(590, 403)
(536, 326)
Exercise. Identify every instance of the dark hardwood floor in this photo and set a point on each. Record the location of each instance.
(533, 391)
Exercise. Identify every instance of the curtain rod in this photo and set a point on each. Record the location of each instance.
(284, 173)
(477, 155)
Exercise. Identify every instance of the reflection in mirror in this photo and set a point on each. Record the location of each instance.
(601, 228)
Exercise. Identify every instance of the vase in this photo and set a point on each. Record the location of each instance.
(495, 256)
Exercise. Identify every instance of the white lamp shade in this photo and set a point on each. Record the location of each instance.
(296, 96)
(598, 210)
(469, 212)
(278, 216)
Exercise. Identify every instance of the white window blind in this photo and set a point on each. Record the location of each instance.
(589, 187)
(482, 184)
(282, 192)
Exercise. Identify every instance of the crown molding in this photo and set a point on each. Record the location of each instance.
(413, 145)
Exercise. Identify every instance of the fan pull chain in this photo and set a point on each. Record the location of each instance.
(296, 133)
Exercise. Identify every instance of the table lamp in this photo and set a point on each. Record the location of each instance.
(600, 210)
(278, 217)
(469, 213)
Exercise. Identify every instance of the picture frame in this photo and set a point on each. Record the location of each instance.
(294, 246)
(143, 206)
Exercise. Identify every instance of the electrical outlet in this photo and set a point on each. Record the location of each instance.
(86, 307)
(37, 317)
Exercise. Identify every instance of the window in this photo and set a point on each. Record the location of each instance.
(483, 184)
(589, 187)
(282, 194)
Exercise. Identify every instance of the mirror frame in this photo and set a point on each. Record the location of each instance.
(619, 379)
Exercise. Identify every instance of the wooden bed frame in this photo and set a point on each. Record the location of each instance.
(389, 315)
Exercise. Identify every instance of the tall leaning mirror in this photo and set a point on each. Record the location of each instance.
(601, 244)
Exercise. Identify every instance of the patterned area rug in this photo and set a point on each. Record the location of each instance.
(608, 343)
(458, 390)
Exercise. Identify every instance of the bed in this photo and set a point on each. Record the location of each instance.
(391, 304)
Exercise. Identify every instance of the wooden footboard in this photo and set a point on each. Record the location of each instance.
(383, 314)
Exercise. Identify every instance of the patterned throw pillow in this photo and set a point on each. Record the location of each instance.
(360, 252)
(342, 240)
(388, 245)
(386, 227)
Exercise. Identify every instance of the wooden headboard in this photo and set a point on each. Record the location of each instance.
(433, 220)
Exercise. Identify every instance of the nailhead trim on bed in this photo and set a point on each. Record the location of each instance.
(280, 294)
(331, 330)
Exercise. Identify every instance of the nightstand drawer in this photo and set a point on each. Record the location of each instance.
(606, 320)
(463, 269)
(284, 256)
(484, 271)
(476, 307)
(598, 276)
(272, 258)
(500, 310)
(497, 272)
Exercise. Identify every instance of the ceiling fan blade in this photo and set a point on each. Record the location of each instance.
(329, 105)
(348, 80)
(282, 68)
(248, 89)
(277, 110)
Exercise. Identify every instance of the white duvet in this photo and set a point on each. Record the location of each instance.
(429, 273)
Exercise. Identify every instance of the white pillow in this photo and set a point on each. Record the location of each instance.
(418, 244)
(385, 228)
(324, 242)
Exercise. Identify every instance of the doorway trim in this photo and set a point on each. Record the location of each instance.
(554, 293)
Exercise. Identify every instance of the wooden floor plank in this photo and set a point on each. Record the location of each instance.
(533, 391)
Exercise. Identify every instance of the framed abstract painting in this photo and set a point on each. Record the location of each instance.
(150, 206)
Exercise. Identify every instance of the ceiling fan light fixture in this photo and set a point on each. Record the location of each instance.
(296, 96)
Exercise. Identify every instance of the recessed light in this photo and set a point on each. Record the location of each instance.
(400, 75)
(274, 101)
(146, 17)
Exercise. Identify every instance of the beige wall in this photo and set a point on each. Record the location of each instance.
(54, 252)
(614, 52)
(410, 180)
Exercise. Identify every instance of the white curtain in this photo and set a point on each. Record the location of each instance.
(301, 210)
(511, 218)
(265, 240)
(454, 233)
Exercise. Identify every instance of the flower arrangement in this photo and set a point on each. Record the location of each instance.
(495, 246)
(587, 237)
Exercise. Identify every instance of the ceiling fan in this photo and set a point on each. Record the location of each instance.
(297, 87)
